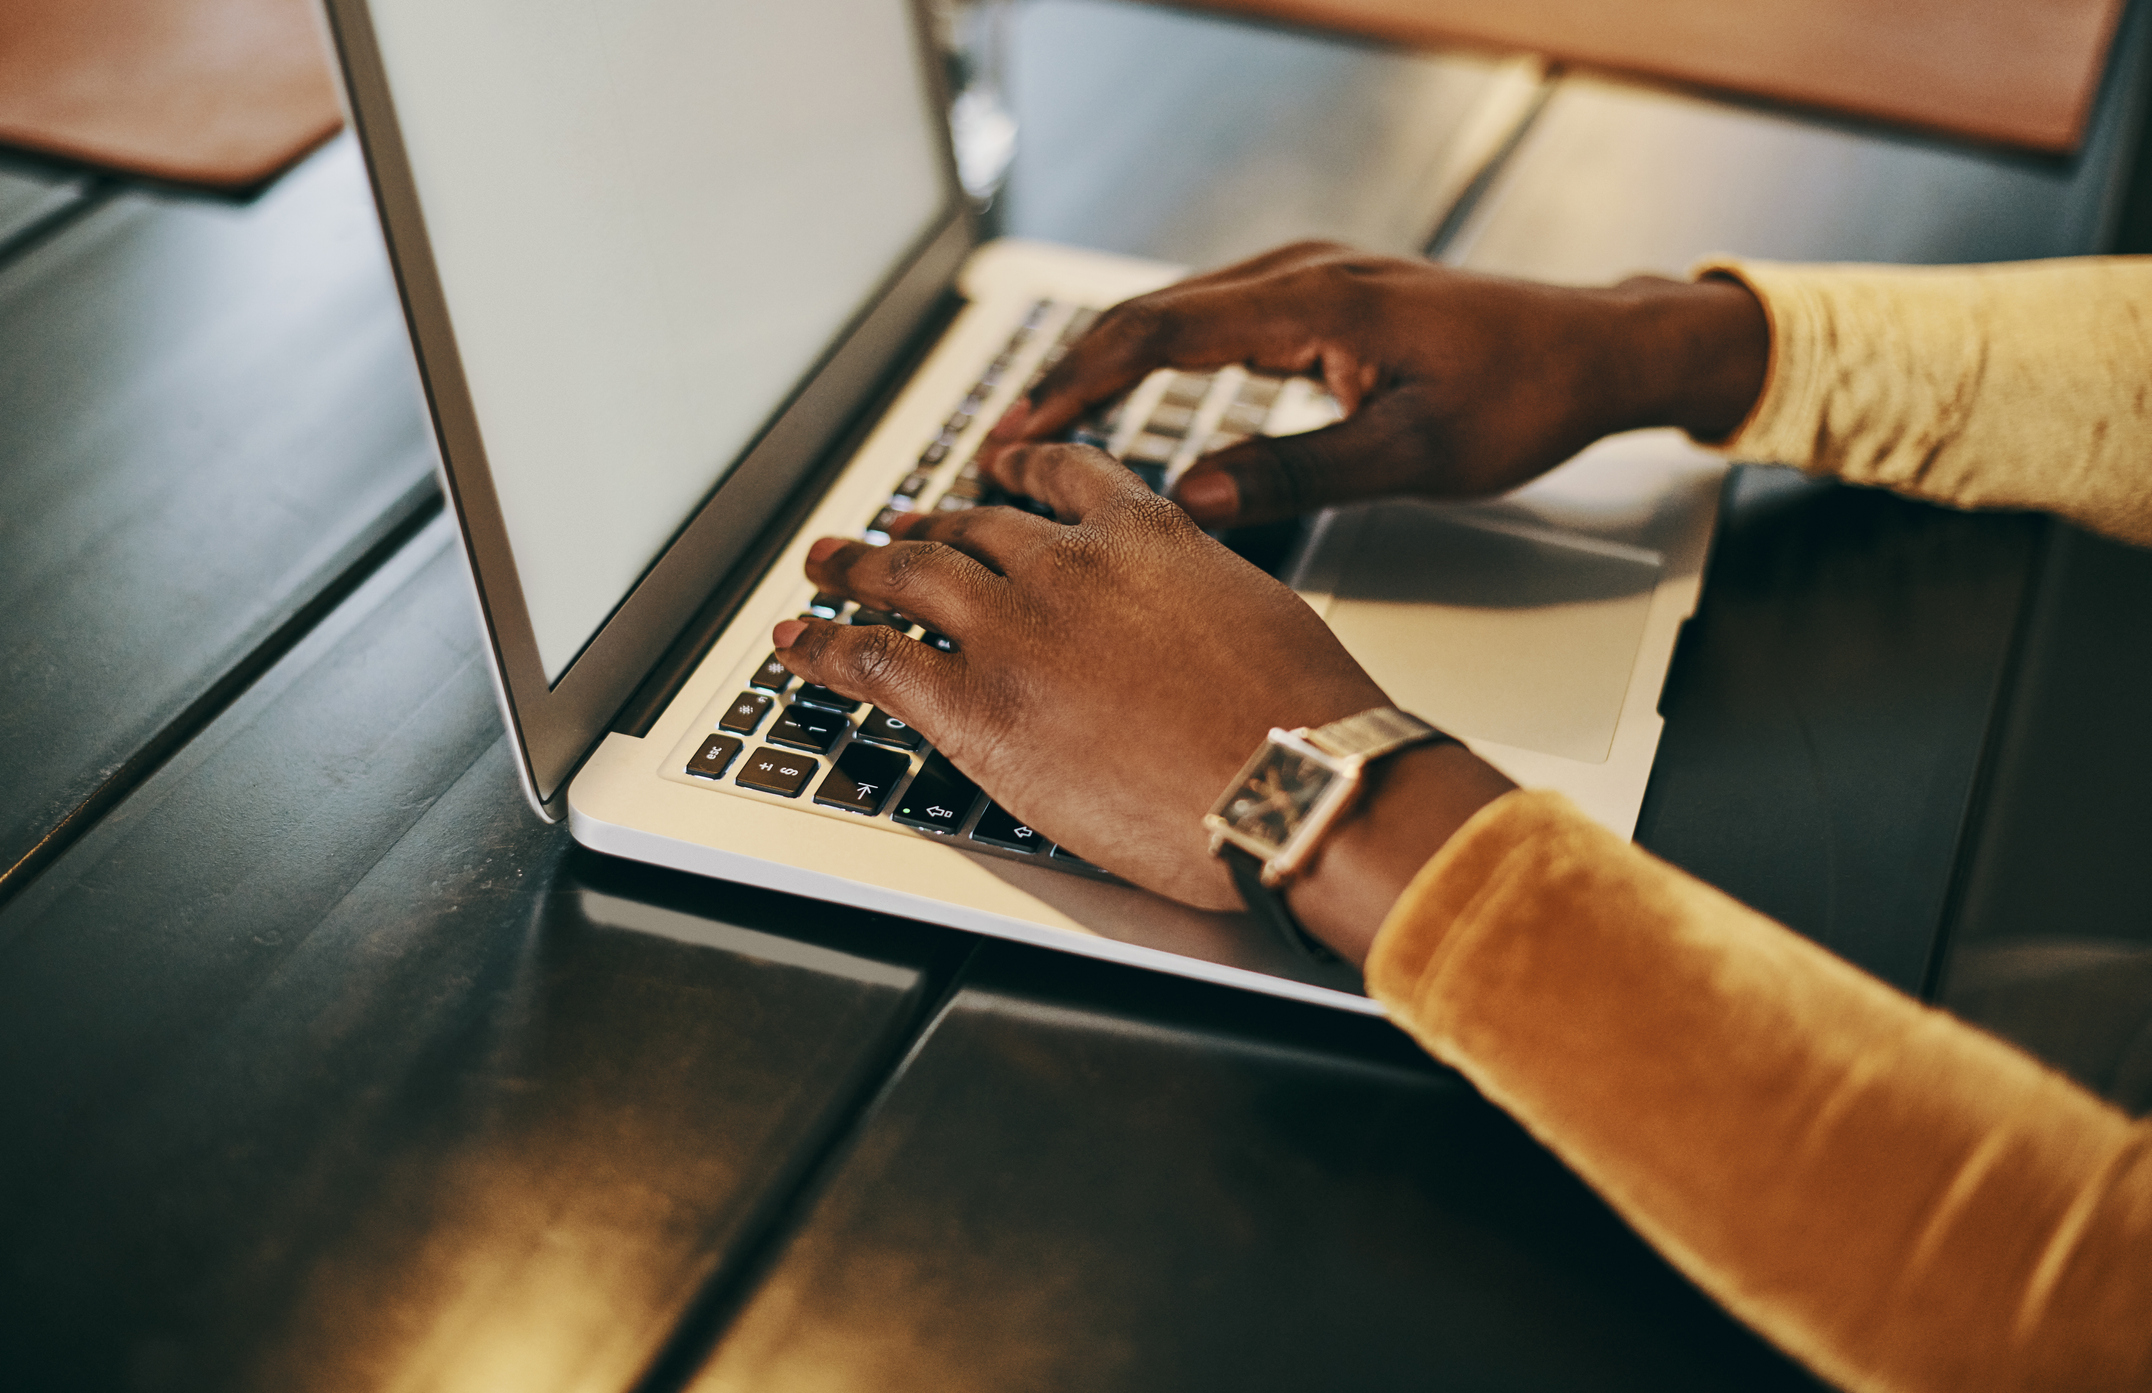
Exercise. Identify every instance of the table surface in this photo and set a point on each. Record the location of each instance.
(326, 1065)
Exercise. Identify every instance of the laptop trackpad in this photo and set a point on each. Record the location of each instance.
(1524, 638)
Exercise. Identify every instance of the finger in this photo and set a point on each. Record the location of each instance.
(1074, 480)
(929, 581)
(1069, 390)
(913, 682)
(996, 538)
(1378, 452)
(1279, 321)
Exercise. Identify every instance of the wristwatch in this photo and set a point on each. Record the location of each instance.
(1267, 824)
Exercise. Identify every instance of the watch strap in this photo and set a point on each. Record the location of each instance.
(1372, 734)
(1267, 904)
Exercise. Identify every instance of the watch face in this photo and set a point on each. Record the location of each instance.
(1276, 794)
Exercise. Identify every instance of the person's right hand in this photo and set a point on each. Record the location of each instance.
(1453, 384)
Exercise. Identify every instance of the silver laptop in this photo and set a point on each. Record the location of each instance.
(692, 285)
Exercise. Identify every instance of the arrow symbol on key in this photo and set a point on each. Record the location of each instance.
(937, 811)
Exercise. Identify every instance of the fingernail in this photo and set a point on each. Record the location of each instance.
(1209, 497)
(1012, 421)
(822, 548)
(787, 633)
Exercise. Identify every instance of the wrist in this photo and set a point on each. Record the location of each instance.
(1410, 805)
(1686, 354)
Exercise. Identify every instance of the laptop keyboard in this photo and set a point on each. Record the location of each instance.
(781, 739)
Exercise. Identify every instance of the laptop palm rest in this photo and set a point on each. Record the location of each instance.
(1494, 631)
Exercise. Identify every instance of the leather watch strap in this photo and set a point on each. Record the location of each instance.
(1269, 905)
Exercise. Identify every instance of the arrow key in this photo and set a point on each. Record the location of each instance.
(999, 827)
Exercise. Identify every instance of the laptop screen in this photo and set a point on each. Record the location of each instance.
(652, 220)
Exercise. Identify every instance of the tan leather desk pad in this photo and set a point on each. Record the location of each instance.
(219, 93)
(2017, 72)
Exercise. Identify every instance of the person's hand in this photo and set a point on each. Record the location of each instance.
(1453, 384)
(1114, 669)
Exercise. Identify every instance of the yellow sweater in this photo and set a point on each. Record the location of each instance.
(1891, 1196)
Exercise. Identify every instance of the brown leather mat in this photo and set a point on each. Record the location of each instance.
(2018, 72)
(219, 93)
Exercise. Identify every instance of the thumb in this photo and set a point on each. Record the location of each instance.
(1372, 453)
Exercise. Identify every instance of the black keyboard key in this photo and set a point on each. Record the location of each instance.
(876, 618)
(942, 641)
(862, 780)
(938, 798)
(772, 676)
(828, 700)
(885, 729)
(934, 454)
(807, 728)
(774, 771)
(1062, 853)
(913, 484)
(1151, 472)
(825, 605)
(999, 827)
(715, 757)
(877, 531)
(746, 712)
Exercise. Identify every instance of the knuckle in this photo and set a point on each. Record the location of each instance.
(868, 664)
(1141, 518)
(1318, 246)
(1153, 515)
(1078, 555)
(1147, 321)
(902, 570)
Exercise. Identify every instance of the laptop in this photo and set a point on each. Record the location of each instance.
(692, 285)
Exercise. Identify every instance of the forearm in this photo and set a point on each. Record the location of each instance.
(1889, 1195)
(2011, 386)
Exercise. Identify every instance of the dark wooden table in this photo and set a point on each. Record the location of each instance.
(323, 1065)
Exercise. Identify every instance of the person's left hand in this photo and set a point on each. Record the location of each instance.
(1114, 669)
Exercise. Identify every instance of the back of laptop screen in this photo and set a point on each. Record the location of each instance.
(650, 219)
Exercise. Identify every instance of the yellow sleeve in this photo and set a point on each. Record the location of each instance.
(2025, 385)
(1891, 1196)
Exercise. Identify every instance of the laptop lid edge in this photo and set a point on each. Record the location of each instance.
(555, 725)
